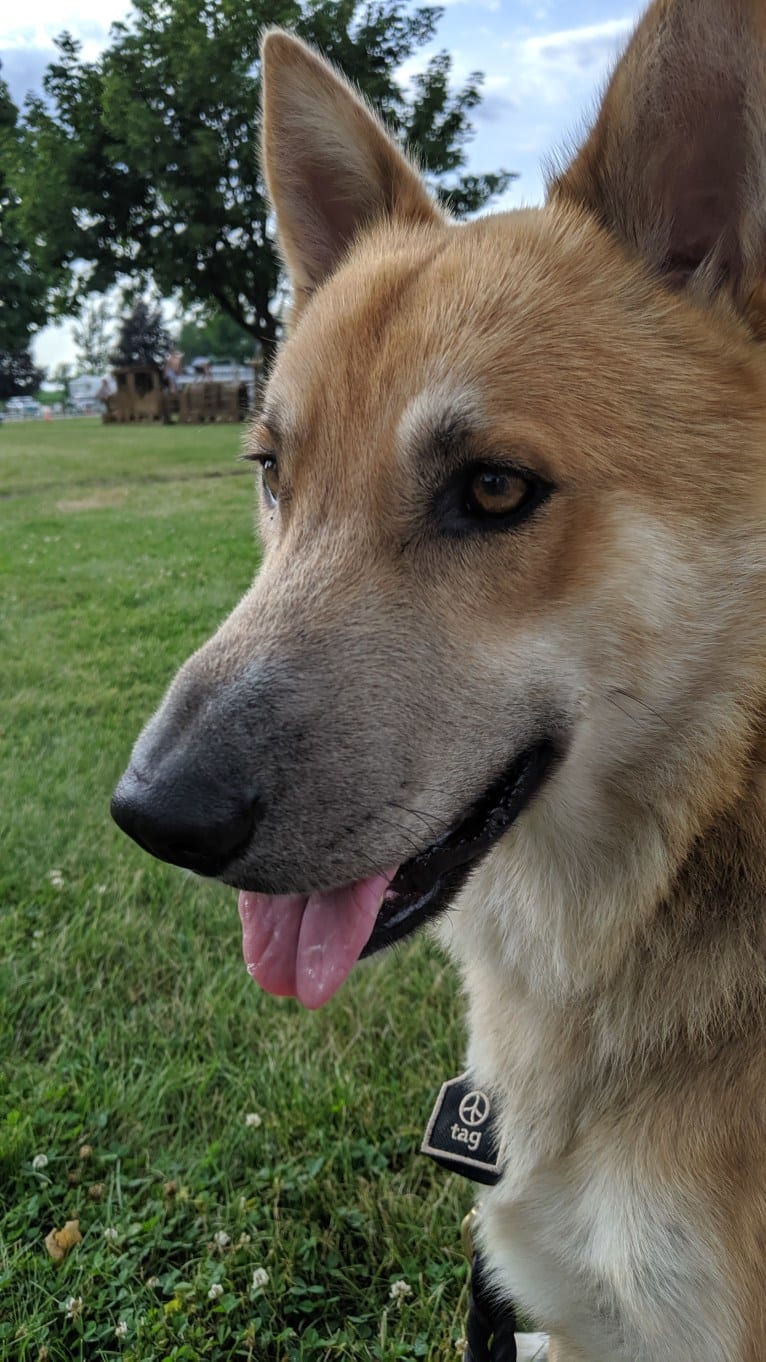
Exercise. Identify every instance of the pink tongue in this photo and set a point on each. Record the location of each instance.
(301, 946)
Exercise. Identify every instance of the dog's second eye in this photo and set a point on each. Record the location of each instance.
(494, 492)
(270, 479)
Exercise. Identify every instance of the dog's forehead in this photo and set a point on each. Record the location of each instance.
(407, 332)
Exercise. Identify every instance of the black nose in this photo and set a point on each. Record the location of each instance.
(186, 823)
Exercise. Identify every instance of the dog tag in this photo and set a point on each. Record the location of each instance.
(460, 1134)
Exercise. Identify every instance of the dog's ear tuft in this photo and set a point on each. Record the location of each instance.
(330, 166)
(676, 161)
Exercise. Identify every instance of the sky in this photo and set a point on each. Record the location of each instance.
(544, 62)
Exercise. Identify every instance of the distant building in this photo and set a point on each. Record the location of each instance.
(84, 390)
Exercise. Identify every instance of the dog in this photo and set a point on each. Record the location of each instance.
(503, 669)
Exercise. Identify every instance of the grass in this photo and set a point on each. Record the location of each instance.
(132, 1044)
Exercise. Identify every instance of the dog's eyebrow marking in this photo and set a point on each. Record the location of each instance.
(283, 420)
(437, 421)
(269, 420)
(262, 438)
(268, 429)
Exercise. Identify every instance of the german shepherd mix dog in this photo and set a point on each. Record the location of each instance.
(505, 663)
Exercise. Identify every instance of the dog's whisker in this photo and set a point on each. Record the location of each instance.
(431, 822)
(405, 832)
(634, 699)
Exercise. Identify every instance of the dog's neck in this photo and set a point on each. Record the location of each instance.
(613, 953)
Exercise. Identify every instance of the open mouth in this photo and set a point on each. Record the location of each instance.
(428, 882)
(305, 946)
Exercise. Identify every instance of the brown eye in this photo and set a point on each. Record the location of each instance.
(493, 491)
(488, 498)
(270, 480)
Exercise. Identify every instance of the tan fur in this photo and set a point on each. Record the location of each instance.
(613, 944)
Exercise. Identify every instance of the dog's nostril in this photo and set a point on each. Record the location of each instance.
(183, 823)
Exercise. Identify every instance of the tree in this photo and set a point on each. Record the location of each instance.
(145, 162)
(93, 336)
(61, 376)
(19, 375)
(23, 288)
(215, 335)
(143, 338)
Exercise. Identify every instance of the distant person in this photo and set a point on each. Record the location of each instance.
(173, 366)
(201, 367)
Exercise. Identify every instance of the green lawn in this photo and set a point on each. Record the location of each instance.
(132, 1044)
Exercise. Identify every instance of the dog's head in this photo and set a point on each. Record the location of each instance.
(511, 483)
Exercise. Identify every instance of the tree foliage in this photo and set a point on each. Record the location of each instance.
(215, 335)
(19, 375)
(23, 287)
(143, 337)
(145, 162)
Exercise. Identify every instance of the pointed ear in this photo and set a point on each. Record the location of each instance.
(331, 168)
(676, 162)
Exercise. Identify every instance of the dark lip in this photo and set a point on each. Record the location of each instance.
(427, 884)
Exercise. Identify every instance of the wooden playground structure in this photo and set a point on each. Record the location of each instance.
(142, 396)
(210, 400)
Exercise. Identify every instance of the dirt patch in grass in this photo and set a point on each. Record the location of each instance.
(97, 501)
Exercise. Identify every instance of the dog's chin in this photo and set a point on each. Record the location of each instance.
(428, 883)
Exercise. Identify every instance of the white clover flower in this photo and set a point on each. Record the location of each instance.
(73, 1306)
(215, 1291)
(399, 1291)
(111, 1235)
(56, 878)
(153, 1282)
(253, 1119)
(244, 1238)
(39, 1162)
(260, 1279)
(121, 1329)
(221, 1239)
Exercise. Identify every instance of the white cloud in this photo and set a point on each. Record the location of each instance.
(587, 36)
(492, 5)
(43, 20)
(554, 67)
